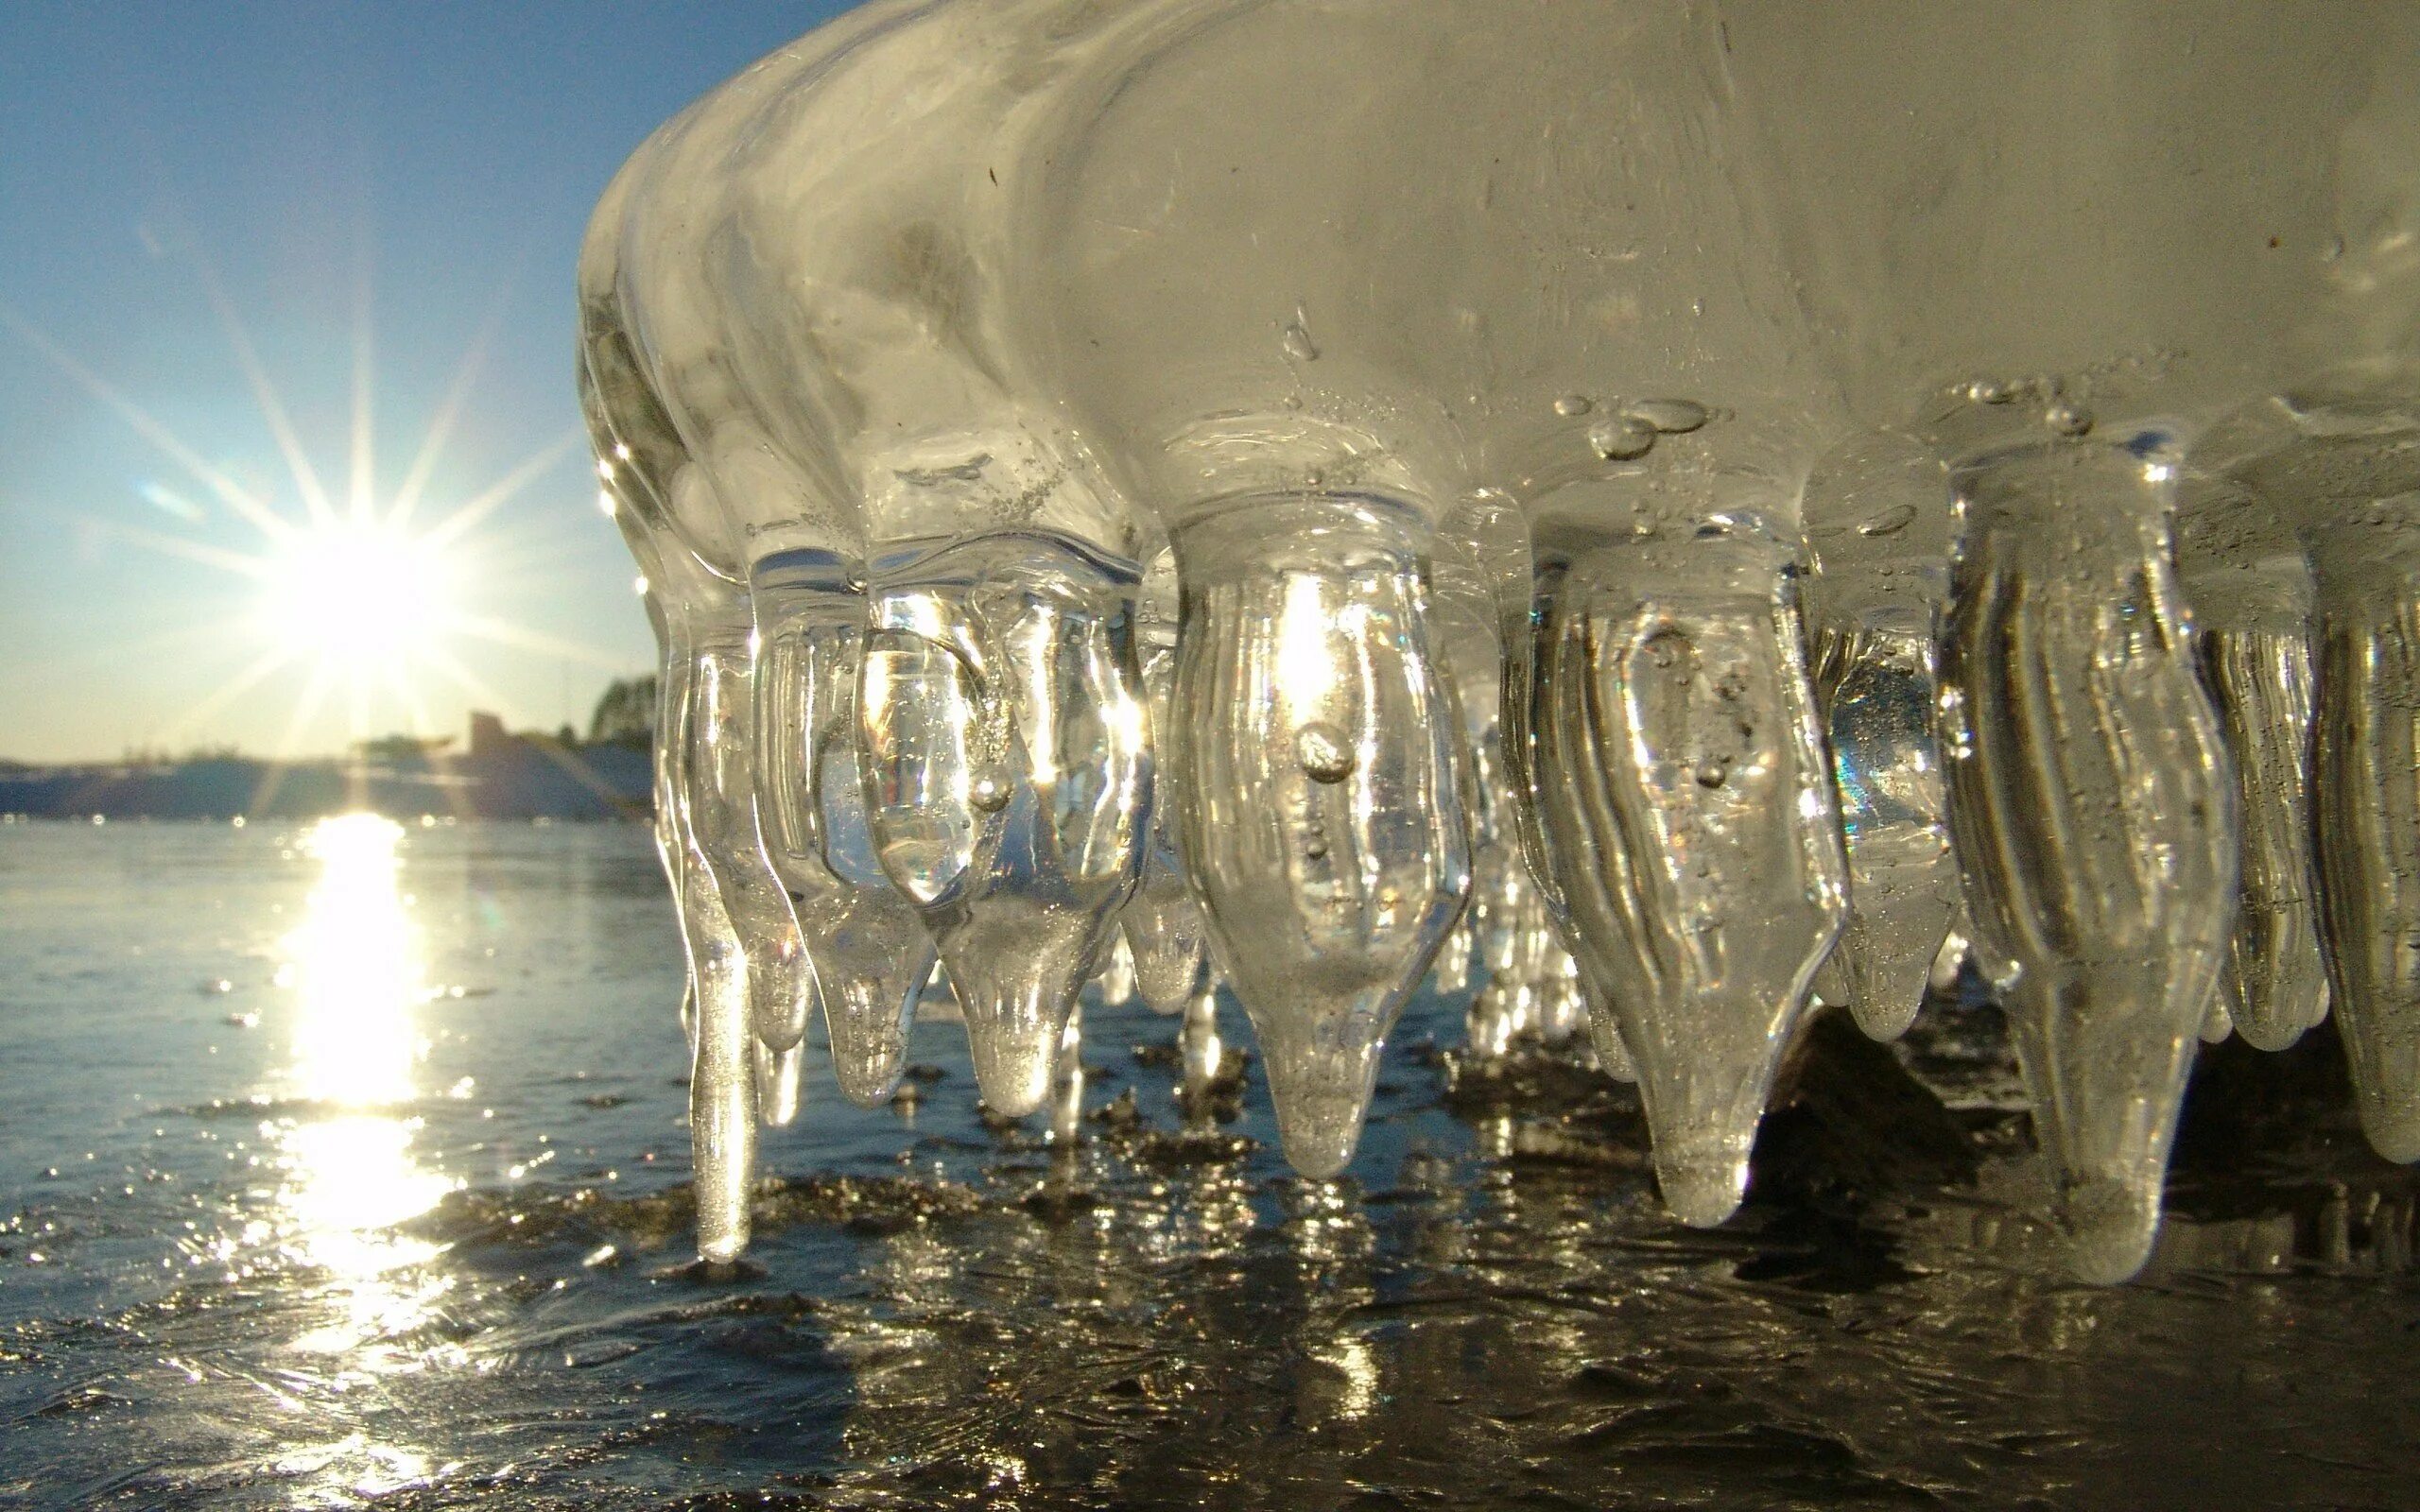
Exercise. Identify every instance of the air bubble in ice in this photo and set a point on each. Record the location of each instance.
(1889, 521)
(2068, 419)
(1620, 438)
(1673, 417)
(1324, 753)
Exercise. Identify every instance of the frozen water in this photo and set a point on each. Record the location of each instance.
(2240, 567)
(1164, 931)
(1878, 523)
(1006, 747)
(1254, 525)
(1689, 821)
(868, 947)
(2093, 809)
(1330, 869)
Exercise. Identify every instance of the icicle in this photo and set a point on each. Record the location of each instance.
(777, 1074)
(869, 948)
(1116, 977)
(2353, 490)
(1205, 1054)
(2250, 588)
(1489, 1023)
(1321, 799)
(1950, 961)
(1562, 1008)
(1690, 819)
(1007, 751)
(722, 807)
(2093, 812)
(1166, 938)
(722, 1075)
(1878, 523)
(1452, 972)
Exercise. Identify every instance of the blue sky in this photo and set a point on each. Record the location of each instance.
(317, 182)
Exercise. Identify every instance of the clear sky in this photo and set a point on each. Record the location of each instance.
(238, 236)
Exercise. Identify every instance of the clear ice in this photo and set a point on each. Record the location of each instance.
(1167, 939)
(2093, 809)
(1689, 820)
(2240, 567)
(1316, 744)
(1242, 493)
(2345, 473)
(1005, 743)
(868, 945)
(1878, 521)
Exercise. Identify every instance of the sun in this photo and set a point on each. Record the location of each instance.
(351, 587)
(359, 593)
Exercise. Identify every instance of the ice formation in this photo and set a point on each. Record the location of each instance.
(1658, 513)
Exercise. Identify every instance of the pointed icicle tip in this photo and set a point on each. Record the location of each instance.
(1321, 813)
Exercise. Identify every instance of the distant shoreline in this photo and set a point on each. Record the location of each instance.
(522, 778)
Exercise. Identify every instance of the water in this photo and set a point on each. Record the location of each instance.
(234, 1277)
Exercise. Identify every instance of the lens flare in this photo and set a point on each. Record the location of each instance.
(357, 593)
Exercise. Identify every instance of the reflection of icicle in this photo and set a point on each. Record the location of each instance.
(868, 949)
(1689, 818)
(1067, 1104)
(1321, 801)
(1009, 764)
(2093, 812)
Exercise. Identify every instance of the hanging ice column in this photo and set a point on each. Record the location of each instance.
(2346, 474)
(1688, 816)
(2249, 586)
(2092, 809)
(1878, 523)
(1319, 758)
(1007, 756)
(1167, 937)
(640, 462)
(869, 950)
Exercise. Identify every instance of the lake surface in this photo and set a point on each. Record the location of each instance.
(353, 1174)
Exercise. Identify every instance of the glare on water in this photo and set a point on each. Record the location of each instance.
(356, 969)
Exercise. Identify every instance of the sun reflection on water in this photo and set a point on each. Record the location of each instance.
(350, 1176)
